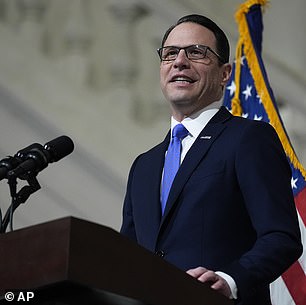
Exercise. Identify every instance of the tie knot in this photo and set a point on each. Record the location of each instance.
(179, 131)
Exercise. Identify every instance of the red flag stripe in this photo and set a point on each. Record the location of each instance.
(295, 281)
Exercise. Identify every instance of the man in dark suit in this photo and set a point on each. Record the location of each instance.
(229, 218)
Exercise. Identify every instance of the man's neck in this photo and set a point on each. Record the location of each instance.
(179, 116)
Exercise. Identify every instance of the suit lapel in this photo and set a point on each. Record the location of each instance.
(196, 153)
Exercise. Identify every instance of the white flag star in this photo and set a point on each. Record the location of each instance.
(247, 92)
(242, 58)
(232, 88)
(293, 183)
(257, 117)
(259, 99)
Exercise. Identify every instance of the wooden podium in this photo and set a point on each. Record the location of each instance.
(73, 261)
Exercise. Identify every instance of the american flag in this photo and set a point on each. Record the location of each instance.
(249, 94)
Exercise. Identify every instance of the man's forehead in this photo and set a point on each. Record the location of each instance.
(190, 33)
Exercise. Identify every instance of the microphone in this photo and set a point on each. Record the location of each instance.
(38, 157)
(6, 165)
(10, 162)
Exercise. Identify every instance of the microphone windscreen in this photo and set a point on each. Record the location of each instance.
(59, 148)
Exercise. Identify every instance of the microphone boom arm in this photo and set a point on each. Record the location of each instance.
(19, 198)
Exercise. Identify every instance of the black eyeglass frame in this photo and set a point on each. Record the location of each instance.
(199, 46)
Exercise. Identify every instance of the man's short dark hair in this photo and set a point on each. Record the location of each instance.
(222, 44)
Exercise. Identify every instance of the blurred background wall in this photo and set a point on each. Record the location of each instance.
(89, 69)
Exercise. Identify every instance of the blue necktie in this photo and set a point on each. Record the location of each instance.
(172, 162)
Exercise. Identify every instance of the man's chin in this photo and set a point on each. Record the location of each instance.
(181, 102)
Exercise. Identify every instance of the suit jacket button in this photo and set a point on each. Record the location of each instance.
(160, 253)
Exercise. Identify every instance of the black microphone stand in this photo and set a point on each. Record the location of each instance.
(18, 198)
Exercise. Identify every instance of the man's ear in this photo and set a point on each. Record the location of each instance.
(226, 73)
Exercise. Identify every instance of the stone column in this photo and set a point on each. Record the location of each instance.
(149, 105)
(76, 42)
(9, 13)
(31, 15)
(124, 54)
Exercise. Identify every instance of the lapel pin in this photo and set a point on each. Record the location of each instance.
(205, 137)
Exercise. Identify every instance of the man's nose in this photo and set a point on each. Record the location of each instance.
(181, 60)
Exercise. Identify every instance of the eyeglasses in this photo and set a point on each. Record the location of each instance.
(193, 52)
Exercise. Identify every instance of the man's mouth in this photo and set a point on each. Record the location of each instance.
(182, 79)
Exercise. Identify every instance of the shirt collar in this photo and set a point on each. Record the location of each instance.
(197, 121)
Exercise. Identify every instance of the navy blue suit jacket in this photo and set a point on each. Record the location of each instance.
(230, 207)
